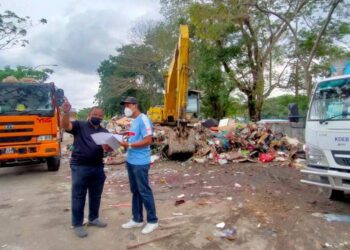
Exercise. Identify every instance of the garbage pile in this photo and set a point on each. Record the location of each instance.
(238, 142)
(223, 143)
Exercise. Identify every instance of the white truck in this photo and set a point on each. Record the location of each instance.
(327, 136)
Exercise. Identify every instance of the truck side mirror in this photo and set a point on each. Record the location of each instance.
(60, 96)
(293, 112)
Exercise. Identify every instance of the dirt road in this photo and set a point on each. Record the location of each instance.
(264, 206)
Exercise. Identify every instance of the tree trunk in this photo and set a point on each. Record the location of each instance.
(308, 81)
(297, 82)
(253, 109)
(251, 106)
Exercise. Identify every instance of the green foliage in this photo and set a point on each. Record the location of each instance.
(236, 33)
(252, 41)
(234, 44)
(238, 107)
(134, 71)
(13, 29)
(82, 114)
(176, 11)
(277, 107)
(216, 102)
(21, 72)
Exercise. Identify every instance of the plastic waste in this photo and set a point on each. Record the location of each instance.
(337, 217)
(220, 225)
(229, 233)
(267, 157)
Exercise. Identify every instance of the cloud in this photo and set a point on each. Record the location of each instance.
(85, 40)
(78, 36)
(79, 88)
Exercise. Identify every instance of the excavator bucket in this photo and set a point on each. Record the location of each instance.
(181, 143)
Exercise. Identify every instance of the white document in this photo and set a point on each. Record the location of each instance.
(107, 138)
(118, 137)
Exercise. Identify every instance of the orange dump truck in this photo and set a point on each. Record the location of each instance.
(29, 124)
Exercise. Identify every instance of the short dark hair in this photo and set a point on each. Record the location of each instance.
(93, 108)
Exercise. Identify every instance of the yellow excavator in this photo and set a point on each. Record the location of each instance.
(181, 105)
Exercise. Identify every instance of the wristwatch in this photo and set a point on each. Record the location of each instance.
(129, 145)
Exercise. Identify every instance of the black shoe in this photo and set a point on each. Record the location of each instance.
(80, 232)
(97, 223)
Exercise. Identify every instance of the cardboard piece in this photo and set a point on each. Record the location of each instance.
(226, 124)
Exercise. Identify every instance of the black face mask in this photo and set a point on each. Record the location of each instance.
(95, 121)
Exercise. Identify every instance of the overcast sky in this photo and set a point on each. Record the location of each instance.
(78, 36)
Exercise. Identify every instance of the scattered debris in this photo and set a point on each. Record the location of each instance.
(206, 194)
(173, 225)
(178, 214)
(229, 233)
(327, 245)
(179, 202)
(333, 217)
(154, 158)
(114, 160)
(120, 205)
(189, 183)
(150, 241)
(176, 217)
(203, 202)
(210, 238)
(220, 225)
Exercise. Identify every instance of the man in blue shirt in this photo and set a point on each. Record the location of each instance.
(87, 167)
(138, 164)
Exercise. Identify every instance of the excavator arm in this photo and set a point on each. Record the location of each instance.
(181, 139)
(175, 99)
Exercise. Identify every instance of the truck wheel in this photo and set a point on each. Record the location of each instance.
(53, 163)
(336, 195)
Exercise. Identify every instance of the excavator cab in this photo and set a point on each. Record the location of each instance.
(192, 109)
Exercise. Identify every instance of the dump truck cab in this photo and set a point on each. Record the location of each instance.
(327, 137)
(29, 124)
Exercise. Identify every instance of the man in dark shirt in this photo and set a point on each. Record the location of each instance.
(87, 167)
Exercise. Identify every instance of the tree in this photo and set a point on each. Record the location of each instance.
(216, 101)
(138, 68)
(176, 11)
(83, 113)
(316, 33)
(135, 68)
(245, 38)
(25, 72)
(277, 107)
(255, 46)
(13, 29)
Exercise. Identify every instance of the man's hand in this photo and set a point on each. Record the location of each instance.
(65, 122)
(107, 148)
(66, 107)
(124, 144)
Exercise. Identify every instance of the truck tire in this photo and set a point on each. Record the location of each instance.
(53, 163)
(336, 195)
